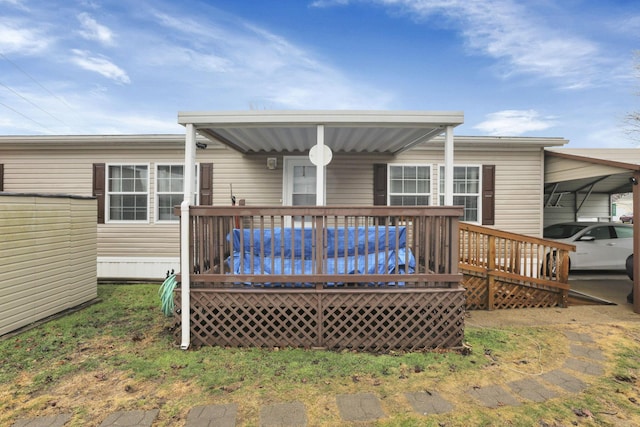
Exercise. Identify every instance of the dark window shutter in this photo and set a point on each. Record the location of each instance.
(380, 184)
(99, 182)
(206, 184)
(488, 194)
(1, 177)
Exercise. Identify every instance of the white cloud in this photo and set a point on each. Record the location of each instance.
(17, 4)
(257, 65)
(17, 38)
(92, 30)
(165, 55)
(100, 65)
(514, 34)
(514, 122)
(329, 3)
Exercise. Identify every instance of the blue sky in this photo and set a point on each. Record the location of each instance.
(515, 68)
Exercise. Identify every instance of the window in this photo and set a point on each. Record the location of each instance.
(304, 186)
(623, 232)
(170, 190)
(466, 190)
(128, 192)
(599, 233)
(409, 185)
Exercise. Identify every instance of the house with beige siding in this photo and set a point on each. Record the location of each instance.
(139, 179)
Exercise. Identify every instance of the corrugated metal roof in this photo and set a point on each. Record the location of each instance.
(590, 169)
(344, 131)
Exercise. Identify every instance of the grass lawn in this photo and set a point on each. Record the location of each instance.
(119, 354)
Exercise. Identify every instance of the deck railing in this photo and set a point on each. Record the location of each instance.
(324, 246)
(509, 270)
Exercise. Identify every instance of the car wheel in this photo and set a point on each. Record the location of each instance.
(628, 264)
(550, 267)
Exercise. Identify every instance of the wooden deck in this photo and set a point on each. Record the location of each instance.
(366, 278)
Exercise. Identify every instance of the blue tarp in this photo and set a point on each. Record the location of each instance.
(341, 245)
(282, 238)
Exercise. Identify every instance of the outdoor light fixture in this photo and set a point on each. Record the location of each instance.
(201, 145)
(272, 163)
(633, 180)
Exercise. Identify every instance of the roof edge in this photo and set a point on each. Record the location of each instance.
(593, 160)
(310, 117)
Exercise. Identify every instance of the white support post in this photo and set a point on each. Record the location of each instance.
(448, 167)
(185, 268)
(320, 168)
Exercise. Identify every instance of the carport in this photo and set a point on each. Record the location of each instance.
(579, 183)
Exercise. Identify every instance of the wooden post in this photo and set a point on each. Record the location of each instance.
(318, 227)
(491, 267)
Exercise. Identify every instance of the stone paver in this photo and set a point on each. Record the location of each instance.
(579, 337)
(587, 352)
(584, 367)
(49, 421)
(359, 407)
(564, 380)
(532, 390)
(212, 416)
(283, 415)
(493, 396)
(426, 403)
(130, 419)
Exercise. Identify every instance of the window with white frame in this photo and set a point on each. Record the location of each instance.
(466, 190)
(128, 192)
(409, 185)
(170, 190)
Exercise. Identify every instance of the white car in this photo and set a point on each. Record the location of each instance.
(599, 245)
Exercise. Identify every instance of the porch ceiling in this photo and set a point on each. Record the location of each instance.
(344, 131)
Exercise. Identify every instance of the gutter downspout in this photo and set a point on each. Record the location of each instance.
(185, 268)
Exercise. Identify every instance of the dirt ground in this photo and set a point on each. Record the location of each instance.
(610, 287)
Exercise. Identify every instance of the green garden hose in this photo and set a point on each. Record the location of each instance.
(166, 294)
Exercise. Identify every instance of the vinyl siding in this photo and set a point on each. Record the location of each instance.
(595, 208)
(518, 182)
(248, 177)
(66, 167)
(350, 179)
(56, 170)
(47, 257)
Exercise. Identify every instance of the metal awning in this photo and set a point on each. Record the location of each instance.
(607, 171)
(344, 131)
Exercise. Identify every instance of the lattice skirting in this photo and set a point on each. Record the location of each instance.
(506, 294)
(369, 320)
